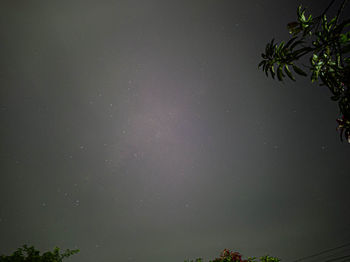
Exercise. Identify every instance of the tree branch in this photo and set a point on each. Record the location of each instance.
(341, 10)
(326, 10)
(336, 21)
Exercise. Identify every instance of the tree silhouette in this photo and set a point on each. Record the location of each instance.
(228, 256)
(328, 47)
(34, 255)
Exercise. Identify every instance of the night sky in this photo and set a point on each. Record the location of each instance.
(144, 131)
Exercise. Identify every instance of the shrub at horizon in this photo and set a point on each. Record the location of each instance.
(34, 255)
(227, 256)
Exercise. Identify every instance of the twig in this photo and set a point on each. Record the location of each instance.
(341, 10)
(336, 21)
(326, 10)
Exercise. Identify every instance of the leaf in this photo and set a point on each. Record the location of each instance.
(290, 42)
(335, 98)
(303, 19)
(264, 66)
(299, 9)
(314, 76)
(324, 23)
(300, 51)
(331, 23)
(280, 74)
(299, 12)
(269, 48)
(261, 63)
(309, 19)
(299, 71)
(280, 46)
(333, 20)
(263, 56)
(266, 49)
(289, 74)
(272, 71)
(344, 38)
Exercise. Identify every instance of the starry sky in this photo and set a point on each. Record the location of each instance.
(143, 131)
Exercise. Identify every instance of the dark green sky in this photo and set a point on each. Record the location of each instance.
(143, 131)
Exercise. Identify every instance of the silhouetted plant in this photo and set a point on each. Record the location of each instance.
(34, 255)
(328, 47)
(227, 256)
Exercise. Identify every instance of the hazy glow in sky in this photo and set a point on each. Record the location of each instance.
(143, 131)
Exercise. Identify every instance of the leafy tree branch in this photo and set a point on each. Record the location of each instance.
(329, 60)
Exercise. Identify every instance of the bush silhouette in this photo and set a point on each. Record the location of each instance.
(227, 256)
(34, 255)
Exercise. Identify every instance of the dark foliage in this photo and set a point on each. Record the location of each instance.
(227, 256)
(328, 48)
(34, 255)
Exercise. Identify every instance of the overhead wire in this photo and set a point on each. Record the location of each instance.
(322, 252)
(331, 254)
(337, 258)
(345, 260)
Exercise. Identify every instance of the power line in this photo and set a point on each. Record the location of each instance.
(322, 252)
(332, 254)
(345, 260)
(337, 258)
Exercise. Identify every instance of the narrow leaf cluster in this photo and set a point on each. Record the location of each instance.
(329, 61)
